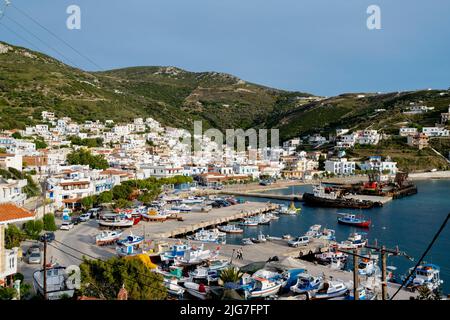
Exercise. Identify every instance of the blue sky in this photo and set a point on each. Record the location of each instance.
(317, 46)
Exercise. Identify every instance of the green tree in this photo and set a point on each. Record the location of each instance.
(33, 228)
(321, 162)
(16, 135)
(49, 222)
(40, 144)
(122, 203)
(122, 191)
(7, 293)
(103, 279)
(88, 202)
(105, 197)
(84, 157)
(13, 236)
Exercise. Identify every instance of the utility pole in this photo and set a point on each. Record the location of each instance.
(355, 274)
(384, 252)
(383, 273)
(45, 267)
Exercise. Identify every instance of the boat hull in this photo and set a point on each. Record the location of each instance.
(314, 201)
(362, 224)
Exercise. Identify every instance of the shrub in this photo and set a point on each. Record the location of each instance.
(49, 222)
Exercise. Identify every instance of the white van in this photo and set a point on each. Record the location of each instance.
(299, 241)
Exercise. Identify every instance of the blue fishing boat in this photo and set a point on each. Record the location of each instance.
(353, 220)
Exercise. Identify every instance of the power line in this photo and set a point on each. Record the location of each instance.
(39, 39)
(19, 36)
(107, 262)
(423, 255)
(56, 36)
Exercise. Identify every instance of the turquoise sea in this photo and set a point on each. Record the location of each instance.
(410, 223)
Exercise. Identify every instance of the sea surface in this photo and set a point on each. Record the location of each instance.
(409, 223)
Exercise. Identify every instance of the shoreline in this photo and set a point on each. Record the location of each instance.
(284, 184)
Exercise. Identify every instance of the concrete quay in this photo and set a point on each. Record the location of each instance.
(198, 220)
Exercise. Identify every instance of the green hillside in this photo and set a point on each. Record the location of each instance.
(31, 82)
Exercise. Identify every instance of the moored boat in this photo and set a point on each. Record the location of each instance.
(353, 220)
(230, 228)
(108, 237)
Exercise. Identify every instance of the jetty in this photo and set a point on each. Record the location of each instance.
(287, 197)
(194, 221)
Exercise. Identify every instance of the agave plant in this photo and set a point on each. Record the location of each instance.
(230, 274)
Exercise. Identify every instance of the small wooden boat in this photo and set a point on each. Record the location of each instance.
(107, 237)
(353, 220)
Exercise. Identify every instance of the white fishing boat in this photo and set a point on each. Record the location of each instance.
(199, 291)
(213, 235)
(291, 210)
(194, 256)
(330, 289)
(331, 256)
(314, 231)
(205, 274)
(108, 237)
(230, 228)
(184, 208)
(129, 246)
(115, 221)
(262, 283)
(218, 264)
(306, 283)
(249, 222)
(368, 266)
(259, 239)
(427, 275)
(193, 200)
(59, 284)
(262, 219)
(247, 241)
(173, 287)
(354, 241)
(175, 251)
(155, 215)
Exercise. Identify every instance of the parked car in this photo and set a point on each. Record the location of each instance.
(76, 220)
(66, 225)
(85, 217)
(35, 257)
(299, 241)
(49, 236)
(34, 248)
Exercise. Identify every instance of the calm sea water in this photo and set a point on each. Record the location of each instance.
(409, 222)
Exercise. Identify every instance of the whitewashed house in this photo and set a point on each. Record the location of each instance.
(340, 166)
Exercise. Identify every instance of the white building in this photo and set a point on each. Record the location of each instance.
(436, 131)
(404, 132)
(247, 170)
(376, 164)
(371, 137)
(340, 166)
(11, 191)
